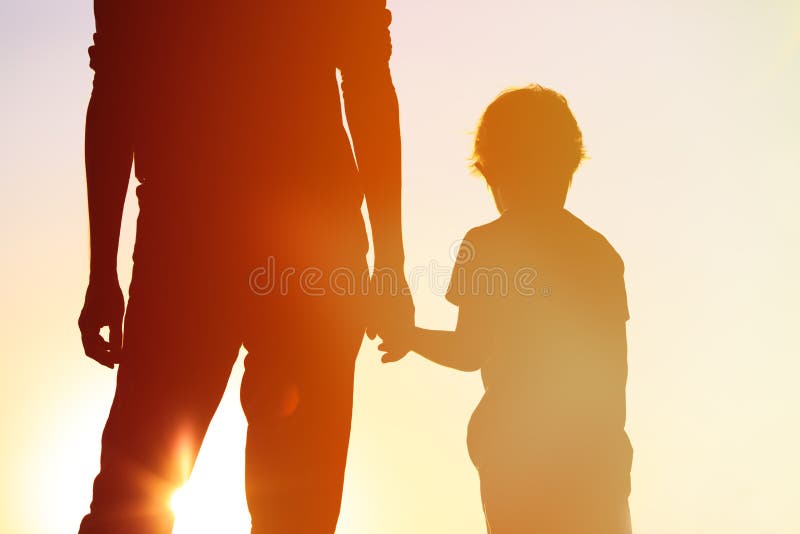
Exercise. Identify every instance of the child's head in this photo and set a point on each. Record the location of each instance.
(528, 145)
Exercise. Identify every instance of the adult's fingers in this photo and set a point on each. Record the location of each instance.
(105, 359)
(372, 331)
(374, 313)
(98, 349)
(94, 346)
(115, 337)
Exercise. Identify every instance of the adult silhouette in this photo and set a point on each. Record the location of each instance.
(249, 233)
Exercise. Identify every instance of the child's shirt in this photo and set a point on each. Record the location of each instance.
(548, 305)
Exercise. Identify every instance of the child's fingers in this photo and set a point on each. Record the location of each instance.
(391, 357)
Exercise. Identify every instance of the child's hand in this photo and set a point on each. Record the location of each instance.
(395, 349)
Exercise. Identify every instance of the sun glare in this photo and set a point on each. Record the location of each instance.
(178, 501)
(208, 509)
(212, 500)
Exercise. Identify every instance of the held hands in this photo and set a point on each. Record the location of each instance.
(104, 306)
(392, 308)
(395, 346)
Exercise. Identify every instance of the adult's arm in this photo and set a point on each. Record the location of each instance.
(109, 155)
(373, 118)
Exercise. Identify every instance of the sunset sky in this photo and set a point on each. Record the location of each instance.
(691, 119)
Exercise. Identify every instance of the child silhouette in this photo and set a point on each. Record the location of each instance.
(542, 314)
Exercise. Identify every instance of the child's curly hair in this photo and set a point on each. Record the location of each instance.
(529, 134)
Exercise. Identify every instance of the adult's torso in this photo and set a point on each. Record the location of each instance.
(241, 93)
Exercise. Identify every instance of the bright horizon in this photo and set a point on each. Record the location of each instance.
(690, 117)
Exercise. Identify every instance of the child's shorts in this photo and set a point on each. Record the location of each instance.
(538, 477)
(518, 502)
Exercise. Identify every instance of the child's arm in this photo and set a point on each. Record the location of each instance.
(463, 349)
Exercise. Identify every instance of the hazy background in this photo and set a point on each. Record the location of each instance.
(690, 114)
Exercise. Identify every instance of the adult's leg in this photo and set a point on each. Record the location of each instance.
(180, 343)
(297, 394)
(158, 419)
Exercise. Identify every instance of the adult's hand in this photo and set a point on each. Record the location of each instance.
(392, 308)
(104, 306)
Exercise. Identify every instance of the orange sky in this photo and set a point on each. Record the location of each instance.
(690, 116)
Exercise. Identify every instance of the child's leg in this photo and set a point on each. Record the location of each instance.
(510, 505)
(523, 502)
